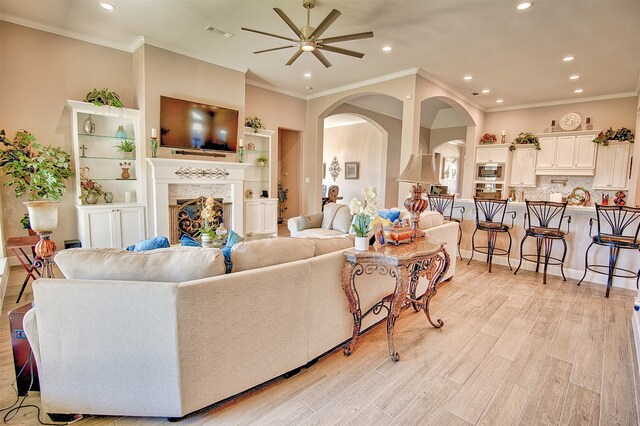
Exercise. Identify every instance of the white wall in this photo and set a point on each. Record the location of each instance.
(358, 142)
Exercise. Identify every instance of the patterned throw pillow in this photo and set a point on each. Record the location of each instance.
(150, 244)
(233, 238)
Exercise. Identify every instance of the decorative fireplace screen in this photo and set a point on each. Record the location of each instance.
(185, 219)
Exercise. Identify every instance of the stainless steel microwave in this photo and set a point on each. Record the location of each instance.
(490, 172)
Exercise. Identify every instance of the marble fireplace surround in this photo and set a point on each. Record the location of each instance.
(163, 172)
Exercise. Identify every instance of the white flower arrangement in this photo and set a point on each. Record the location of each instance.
(364, 211)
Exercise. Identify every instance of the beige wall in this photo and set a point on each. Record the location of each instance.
(440, 136)
(289, 169)
(362, 143)
(39, 71)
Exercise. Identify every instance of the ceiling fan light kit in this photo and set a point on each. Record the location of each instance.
(309, 37)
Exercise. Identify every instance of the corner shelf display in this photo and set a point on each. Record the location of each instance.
(96, 131)
(258, 178)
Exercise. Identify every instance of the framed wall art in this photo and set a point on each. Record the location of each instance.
(352, 170)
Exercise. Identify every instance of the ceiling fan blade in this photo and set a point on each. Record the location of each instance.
(270, 35)
(295, 56)
(321, 58)
(341, 51)
(275, 48)
(331, 17)
(347, 37)
(288, 21)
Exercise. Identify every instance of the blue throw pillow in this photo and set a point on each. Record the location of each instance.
(150, 244)
(233, 238)
(189, 241)
(392, 215)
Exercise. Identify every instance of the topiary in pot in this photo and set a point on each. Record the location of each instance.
(104, 97)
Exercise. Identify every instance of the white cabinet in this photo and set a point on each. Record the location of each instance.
(612, 168)
(261, 215)
(570, 154)
(492, 154)
(523, 166)
(116, 226)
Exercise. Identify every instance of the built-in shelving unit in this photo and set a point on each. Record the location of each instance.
(258, 178)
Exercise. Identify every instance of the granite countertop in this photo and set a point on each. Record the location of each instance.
(581, 209)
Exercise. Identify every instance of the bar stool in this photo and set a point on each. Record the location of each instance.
(442, 203)
(544, 220)
(621, 224)
(490, 218)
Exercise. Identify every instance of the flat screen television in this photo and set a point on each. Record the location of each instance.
(193, 125)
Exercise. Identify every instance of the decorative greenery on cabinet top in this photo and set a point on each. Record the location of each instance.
(622, 134)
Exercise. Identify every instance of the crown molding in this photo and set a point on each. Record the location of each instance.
(139, 41)
(422, 73)
(380, 79)
(566, 102)
(70, 34)
(275, 89)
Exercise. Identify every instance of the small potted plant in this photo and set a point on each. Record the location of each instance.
(104, 97)
(262, 161)
(127, 147)
(488, 138)
(282, 201)
(254, 123)
(91, 191)
(364, 212)
(622, 134)
(525, 139)
(38, 172)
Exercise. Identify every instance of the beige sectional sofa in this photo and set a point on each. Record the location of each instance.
(165, 333)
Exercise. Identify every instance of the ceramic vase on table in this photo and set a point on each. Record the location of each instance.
(361, 244)
(206, 240)
(125, 173)
(121, 133)
(43, 219)
(91, 199)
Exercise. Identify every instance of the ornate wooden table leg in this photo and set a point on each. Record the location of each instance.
(349, 273)
(413, 285)
(435, 272)
(402, 275)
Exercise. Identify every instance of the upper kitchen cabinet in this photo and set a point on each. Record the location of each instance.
(567, 153)
(612, 170)
(492, 153)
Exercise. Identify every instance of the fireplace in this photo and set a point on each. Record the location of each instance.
(185, 219)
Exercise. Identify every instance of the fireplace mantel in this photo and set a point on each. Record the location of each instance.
(162, 172)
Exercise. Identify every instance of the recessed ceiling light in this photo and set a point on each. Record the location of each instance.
(574, 77)
(499, 101)
(578, 91)
(485, 91)
(107, 6)
(386, 49)
(524, 5)
(568, 58)
(307, 75)
(308, 88)
(468, 77)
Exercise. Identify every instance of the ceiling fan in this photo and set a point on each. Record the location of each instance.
(309, 38)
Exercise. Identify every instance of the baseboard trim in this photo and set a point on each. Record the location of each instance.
(553, 270)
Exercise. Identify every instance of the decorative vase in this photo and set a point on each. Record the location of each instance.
(125, 173)
(154, 147)
(120, 133)
(108, 197)
(362, 244)
(89, 126)
(91, 199)
(43, 215)
(206, 240)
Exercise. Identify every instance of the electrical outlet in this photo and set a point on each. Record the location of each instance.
(20, 334)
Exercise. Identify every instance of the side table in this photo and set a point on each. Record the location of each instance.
(406, 263)
(17, 246)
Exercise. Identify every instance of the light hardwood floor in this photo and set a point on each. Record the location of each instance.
(512, 351)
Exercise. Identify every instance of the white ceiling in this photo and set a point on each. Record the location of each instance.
(515, 54)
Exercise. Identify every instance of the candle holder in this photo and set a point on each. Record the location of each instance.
(503, 138)
(154, 147)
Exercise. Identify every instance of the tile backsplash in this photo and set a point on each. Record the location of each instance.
(544, 188)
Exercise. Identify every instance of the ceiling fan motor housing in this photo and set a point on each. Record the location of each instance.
(308, 4)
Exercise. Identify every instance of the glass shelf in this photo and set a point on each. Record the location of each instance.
(109, 179)
(89, 157)
(95, 136)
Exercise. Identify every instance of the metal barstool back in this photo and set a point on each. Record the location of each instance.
(490, 213)
(542, 221)
(444, 204)
(618, 228)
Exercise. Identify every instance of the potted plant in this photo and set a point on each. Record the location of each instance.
(622, 134)
(91, 191)
(127, 147)
(364, 212)
(104, 97)
(36, 171)
(525, 139)
(254, 123)
(282, 201)
(262, 161)
(488, 138)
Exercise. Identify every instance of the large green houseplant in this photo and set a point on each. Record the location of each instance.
(37, 171)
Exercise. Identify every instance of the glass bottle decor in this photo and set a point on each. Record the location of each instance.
(89, 126)
(120, 133)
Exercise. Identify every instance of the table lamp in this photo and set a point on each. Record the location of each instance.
(419, 171)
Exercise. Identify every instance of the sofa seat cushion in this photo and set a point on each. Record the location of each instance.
(270, 251)
(173, 264)
(329, 245)
(320, 233)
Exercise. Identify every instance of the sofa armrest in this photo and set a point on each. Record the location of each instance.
(294, 225)
(446, 233)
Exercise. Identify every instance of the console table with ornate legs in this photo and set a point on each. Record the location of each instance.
(406, 263)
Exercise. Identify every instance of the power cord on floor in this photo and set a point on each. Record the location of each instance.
(13, 409)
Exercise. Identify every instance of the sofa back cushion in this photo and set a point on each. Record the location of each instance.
(329, 245)
(173, 264)
(342, 220)
(329, 213)
(311, 221)
(428, 218)
(270, 251)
